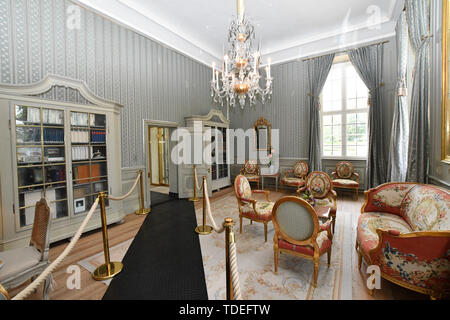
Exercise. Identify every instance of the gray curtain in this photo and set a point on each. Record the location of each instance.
(418, 150)
(368, 61)
(318, 70)
(398, 150)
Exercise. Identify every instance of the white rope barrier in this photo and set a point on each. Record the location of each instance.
(128, 194)
(233, 256)
(47, 272)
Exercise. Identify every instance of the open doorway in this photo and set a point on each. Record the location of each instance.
(159, 153)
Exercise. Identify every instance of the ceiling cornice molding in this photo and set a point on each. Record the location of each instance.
(332, 44)
(130, 18)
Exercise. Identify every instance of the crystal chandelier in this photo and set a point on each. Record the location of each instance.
(240, 75)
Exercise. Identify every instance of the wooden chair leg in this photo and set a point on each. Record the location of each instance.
(316, 272)
(275, 257)
(329, 257)
(357, 194)
(240, 226)
(333, 223)
(265, 231)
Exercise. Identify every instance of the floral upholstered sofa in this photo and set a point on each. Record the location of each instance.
(404, 229)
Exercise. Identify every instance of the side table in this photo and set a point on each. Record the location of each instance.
(275, 176)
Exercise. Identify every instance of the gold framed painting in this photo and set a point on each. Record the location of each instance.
(446, 82)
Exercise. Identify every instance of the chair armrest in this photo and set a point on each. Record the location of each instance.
(242, 171)
(376, 199)
(356, 177)
(400, 255)
(333, 195)
(266, 193)
(333, 175)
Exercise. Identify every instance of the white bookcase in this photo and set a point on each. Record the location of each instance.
(65, 152)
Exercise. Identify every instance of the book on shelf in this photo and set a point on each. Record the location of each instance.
(98, 136)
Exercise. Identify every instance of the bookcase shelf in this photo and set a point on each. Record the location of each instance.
(37, 159)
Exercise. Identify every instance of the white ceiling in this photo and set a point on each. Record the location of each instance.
(289, 29)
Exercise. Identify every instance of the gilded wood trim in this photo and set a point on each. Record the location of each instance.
(263, 122)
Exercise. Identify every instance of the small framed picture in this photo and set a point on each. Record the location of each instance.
(80, 205)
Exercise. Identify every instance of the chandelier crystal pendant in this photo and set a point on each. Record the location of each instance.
(240, 75)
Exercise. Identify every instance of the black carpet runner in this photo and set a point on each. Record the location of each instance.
(164, 261)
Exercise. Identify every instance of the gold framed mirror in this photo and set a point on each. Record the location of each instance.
(445, 82)
(262, 130)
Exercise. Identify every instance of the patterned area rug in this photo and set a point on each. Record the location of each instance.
(256, 266)
(116, 253)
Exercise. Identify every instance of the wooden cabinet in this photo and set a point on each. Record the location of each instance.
(65, 152)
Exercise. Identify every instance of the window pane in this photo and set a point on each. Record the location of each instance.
(327, 120)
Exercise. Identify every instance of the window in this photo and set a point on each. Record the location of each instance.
(344, 112)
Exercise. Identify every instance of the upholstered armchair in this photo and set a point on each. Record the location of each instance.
(404, 229)
(319, 185)
(298, 232)
(27, 263)
(345, 177)
(258, 211)
(296, 177)
(251, 171)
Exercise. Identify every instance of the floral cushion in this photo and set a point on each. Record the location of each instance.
(427, 208)
(344, 170)
(252, 178)
(300, 169)
(296, 182)
(250, 168)
(387, 198)
(243, 189)
(345, 183)
(263, 210)
(319, 184)
(322, 240)
(326, 203)
(368, 224)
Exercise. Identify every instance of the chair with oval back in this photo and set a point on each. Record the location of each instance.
(296, 177)
(251, 171)
(249, 208)
(319, 184)
(345, 177)
(298, 232)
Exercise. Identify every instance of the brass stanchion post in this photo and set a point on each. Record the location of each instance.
(195, 199)
(109, 269)
(142, 210)
(204, 229)
(229, 238)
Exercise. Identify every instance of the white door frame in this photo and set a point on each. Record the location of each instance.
(173, 169)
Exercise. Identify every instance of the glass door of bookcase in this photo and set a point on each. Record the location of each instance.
(41, 161)
(219, 169)
(89, 159)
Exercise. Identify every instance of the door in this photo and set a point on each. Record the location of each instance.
(186, 171)
(159, 145)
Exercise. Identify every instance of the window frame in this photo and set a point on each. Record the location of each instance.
(344, 112)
